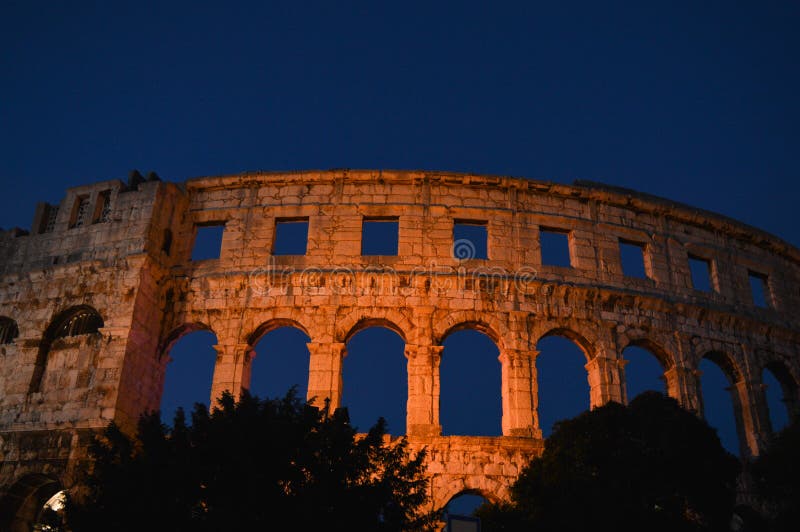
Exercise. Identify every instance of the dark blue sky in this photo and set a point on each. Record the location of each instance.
(692, 101)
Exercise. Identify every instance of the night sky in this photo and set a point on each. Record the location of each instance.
(692, 101)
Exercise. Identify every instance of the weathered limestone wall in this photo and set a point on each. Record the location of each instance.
(149, 294)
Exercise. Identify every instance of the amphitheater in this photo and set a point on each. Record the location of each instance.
(94, 296)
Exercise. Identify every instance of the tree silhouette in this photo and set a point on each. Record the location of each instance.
(776, 475)
(650, 466)
(252, 463)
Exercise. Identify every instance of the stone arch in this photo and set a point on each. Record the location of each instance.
(726, 362)
(272, 324)
(368, 372)
(353, 322)
(176, 334)
(733, 373)
(788, 383)
(585, 381)
(586, 344)
(22, 504)
(78, 320)
(662, 350)
(262, 376)
(467, 370)
(487, 323)
(490, 489)
(664, 359)
(166, 383)
(8, 330)
(74, 321)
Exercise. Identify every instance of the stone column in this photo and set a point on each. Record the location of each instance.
(606, 380)
(232, 370)
(683, 384)
(325, 373)
(753, 424)
(422, 409)
(520, 393)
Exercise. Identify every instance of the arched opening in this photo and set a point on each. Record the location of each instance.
(718, 376)
(643, 371)
(281, 362)
(470, 379)
(562, 380)
(375, 377)
(464, 504)
(82, 320)
(781, 395)
(189, 371)
(24, 506)
(51, 517)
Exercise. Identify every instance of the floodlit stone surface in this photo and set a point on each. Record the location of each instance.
(132, 265)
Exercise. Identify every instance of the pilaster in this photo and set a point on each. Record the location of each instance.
(422, 411)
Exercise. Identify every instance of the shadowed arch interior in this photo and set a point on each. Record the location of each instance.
(781, 394)
(563, 386)
(470, 401)
(719, 375)
(281, 360)
(23, 503)
(375, 376)
(189, 370)
(644, 369)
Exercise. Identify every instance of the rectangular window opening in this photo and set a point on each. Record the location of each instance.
(632, 258)
(470, 240)
(208, 241)
(50, 215)
(700, 269)
(759, 289)
(291, 236)
(102, 210)
(80, 212)
(379, 236)
(555, 247)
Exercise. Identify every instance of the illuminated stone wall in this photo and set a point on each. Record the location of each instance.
(149, 294)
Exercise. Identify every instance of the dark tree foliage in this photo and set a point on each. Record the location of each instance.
(650, 466)
(776, 475)
(253, 464)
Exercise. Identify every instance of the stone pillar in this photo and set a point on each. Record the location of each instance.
(683, 384)
(232, 370)
(325, 373)
(520, 393)
(606, 380)
(422, 409)
(753, 424)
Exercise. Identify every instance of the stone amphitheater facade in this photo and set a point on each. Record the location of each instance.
(94, 296)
